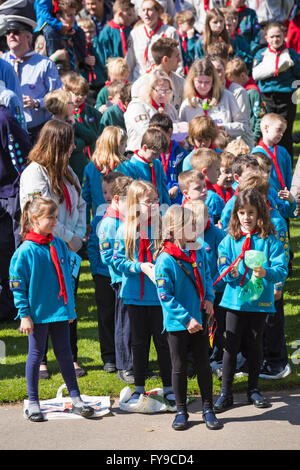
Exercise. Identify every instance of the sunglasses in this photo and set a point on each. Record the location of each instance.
(15, 32)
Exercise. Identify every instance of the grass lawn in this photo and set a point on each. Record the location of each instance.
(97, 382)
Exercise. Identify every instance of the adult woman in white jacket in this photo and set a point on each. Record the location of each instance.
(204, 95)
(49, 175)
(155, 96)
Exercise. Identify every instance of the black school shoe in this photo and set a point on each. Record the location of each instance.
(210, 420)
(223, 403)
(258, 400)
(180, 422)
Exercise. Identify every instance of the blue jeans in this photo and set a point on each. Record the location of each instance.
(60, 337)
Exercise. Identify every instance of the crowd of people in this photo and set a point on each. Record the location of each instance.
(155, 139)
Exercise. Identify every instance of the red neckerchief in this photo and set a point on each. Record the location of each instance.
(209, 186)
(277, 52)
(37, 238)
(109, 82)
(149, 36)
(251, 85)
(184, 40)
(153, 175)
(236, 192)
(246, 246)
(219, 191)
(186, 200)
(67, 198)
(157, 106)
(92, 75)
(144, 250)
(241, 8)
(165, 161)
(273, 156)
(227, 83)
(115, 25)
(111, 212)
(206, 5)
(121, 106)
(55, 7)
(176, 252)
(77, 115)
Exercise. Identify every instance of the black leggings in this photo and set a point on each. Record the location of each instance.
(179, 343)
(144, 322)
(235, 324)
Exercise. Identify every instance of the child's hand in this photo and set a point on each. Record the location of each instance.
(259, 272)
(26, 325)
(286, 195)
(60, 54)
(234, 271)
(193, 326)
(208, 306)
(75, 244)
(277, 294)
(148, 269)
(90, 60)
(190, 33)
(28, 102)
(173, 192)
(219, 225)
(103, 108)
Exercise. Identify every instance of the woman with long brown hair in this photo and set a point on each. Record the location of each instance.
(49, 175)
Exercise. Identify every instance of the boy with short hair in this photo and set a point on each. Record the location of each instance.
(192, 186)
(208, 162)
(92, 69)
(236, 71)
(113, 38)
(171, 160)
(273, 127)
(147, 163)
(114, 115)
(223, 187)
(185, 20)
(117, 69)
(65, 41)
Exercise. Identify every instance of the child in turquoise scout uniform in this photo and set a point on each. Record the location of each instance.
(180, 268)
(114, 115)
(250, 229)
(147, 164)
(111, 328)
(41, 283)
(171, 160)
(133, 256)
(247, 27)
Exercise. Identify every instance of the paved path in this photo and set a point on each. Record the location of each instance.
(245, 427)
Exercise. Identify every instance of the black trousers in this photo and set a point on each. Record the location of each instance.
(274, 343)
(105, 300)
(219, 339)
(147, 321)
(10, 239)
(179, 343)
(235, 324)
(281, 103)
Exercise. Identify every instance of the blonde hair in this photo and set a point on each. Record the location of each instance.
(39, 207)
(107, 155)
(153, 79)
(227, 159)
(185, 16)
(200, 212)
(57, 102)
(269, 118)
(204, 158)
(202, 67)
(136, 190)
(255, 180)
(237, 147)
(86, 22)
(118, 68)
(185, 178)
